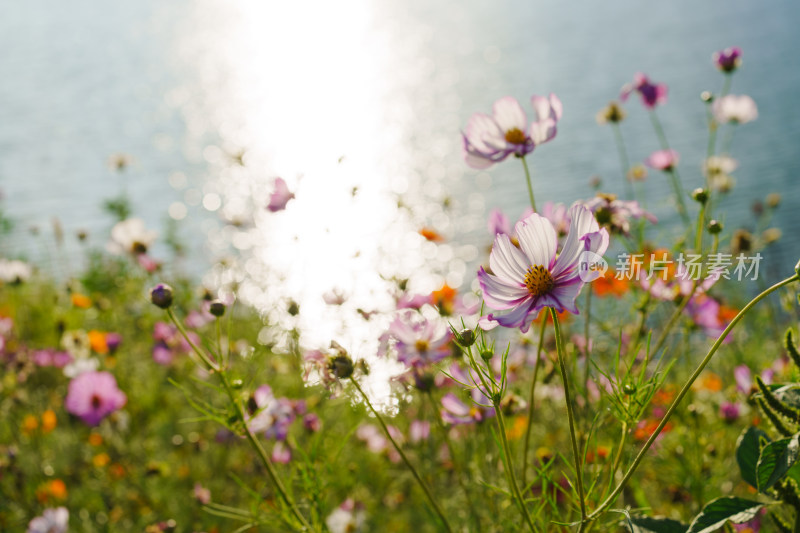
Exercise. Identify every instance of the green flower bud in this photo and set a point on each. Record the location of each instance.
(700, 195)
(216, 308)
(714, 227)
(465, 338)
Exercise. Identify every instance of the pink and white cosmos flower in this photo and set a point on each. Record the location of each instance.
(652, 94)
(491, 139)
(526, 280)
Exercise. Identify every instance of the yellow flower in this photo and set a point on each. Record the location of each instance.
(49, 421)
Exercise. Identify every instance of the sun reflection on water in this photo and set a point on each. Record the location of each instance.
(300, 91)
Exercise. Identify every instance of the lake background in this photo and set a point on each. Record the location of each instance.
(357, 104)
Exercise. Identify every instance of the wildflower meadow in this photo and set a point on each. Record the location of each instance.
(599, 368)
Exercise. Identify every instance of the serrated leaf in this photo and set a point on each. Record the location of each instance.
(787, 393)
(748, 452)
(776, 459)
(649, 524)
(727, 509)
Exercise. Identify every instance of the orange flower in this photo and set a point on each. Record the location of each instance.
(431, 234)
(95, 439)
(79, 300)
(100, 460)
(444, 299)
(664, 396)
(97, 340)
(609, 283)
(562, 317)
(726, 314)
(49, 421)
(52, 490)
(647, 427)
(29, 424)
(517, 430)
(709, 381)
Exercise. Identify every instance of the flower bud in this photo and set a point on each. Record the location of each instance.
(216, 308)
(773, 200)
(707, 97)
(161, 295)
(465, 338)
(700, 195)
(714, 227)
(487, 355)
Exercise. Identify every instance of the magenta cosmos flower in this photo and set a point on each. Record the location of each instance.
(652, 94)
(729, 59)
(527, 279)
(489, 140)
(92, 396)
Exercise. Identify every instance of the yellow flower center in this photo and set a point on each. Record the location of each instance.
(515, 136)
(538, 280)
(421, 346)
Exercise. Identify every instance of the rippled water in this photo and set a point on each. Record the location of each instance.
(358, 104)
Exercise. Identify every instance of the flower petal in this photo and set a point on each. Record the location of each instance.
(499, 294)
(537, 238)
(582, 221)
(506, 261)
(508, 114)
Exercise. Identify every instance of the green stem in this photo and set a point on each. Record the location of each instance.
(240, 413)
(512, 478)
(640, 456)
(570, 415)
(531, 402)
(623, 160)
(673, 171)
(528, 181)
(400, 451)
(587, 351)
(701, 222)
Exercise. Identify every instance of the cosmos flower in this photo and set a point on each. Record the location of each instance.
(94, 395)
(14, 271)
(729, 59)
(489, 140)
(616, 214)
(418, 340)
(652, 94)
(664, 160)
(737, 109)
(130, 237)
(280, 196)
(527, 280)
(52, 521)
(269, 414)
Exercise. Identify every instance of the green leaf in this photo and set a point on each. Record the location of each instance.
(717, 512)
(776, 459)
(648, 524)
(748, 452)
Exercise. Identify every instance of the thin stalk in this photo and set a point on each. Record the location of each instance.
(620, 450)
(570, 415)
(512, 478)
(531, 401)
(673, 319)
(528, 181)
(624, 162)
(400, 451)
(673, 172)
(254, 442)
(687, 386)
(587, 351)
(701, 222)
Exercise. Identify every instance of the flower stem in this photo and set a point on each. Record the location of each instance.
(570, 415)
(240, 414)
(512, 478)
(400, 451)
(528, 181)
(687, 386)
(531, 401)
(587, 352)
(673, 171)
(623, 160)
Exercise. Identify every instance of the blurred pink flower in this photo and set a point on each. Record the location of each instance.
(94, 395)
(652, 94)
(729, 59)
(52, 521)
(662, 160)
(738, 109)
(280, 196)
